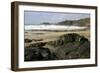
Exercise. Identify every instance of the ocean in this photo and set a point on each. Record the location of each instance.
(53, 27)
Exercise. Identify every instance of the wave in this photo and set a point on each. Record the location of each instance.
(53, 27)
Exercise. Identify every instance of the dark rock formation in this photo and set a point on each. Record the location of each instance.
(27, 40)
(71, 46)
(37, 53)
(67, 46)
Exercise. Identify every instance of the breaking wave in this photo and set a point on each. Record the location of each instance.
(53, 27)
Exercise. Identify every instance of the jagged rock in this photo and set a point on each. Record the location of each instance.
(67, 46)
(27, 40)
(38, 53)
(71, 46)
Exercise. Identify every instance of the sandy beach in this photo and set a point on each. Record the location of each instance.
(46, 36)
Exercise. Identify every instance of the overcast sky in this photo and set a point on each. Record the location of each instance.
(33, 17)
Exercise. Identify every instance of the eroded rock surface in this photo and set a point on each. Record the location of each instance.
(71, 46)
(67, 46)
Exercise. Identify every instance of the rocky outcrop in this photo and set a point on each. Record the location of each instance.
(27, 40)
(71, 46)
(67, 46)
(36, 53)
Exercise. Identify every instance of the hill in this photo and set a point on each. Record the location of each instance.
(80, 22)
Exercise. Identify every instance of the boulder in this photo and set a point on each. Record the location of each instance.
(71, 46)
(38, 54)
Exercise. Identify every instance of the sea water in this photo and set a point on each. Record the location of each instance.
(53, 27)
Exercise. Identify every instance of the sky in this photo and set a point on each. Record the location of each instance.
(37, 17)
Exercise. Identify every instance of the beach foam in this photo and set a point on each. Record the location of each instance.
(52, 27)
